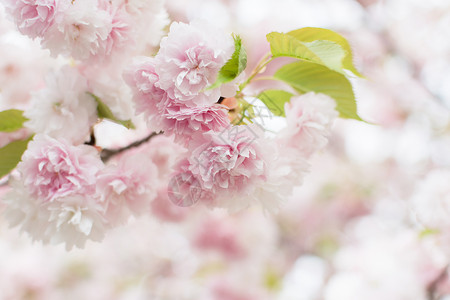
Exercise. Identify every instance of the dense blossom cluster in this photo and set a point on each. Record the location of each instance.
(65, 193)
(86, 29)
(400, 258)
(55, 200)
(371, 220)
(226, 165)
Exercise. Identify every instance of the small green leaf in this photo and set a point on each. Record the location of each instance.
(272, 280)
(234, 66)
(104, 112)
(11, 154)
(427, 232)
(310, 34)
(11, 120)
(275, 100)
(305, 76)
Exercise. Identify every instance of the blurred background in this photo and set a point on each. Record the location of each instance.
(371, 221)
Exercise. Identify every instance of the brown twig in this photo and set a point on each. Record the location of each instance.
(431, 290)
(92, 140)
(107, 154)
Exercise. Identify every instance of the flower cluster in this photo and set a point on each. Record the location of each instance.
(84, 29)
(171, 89)
(63, 192)
(226, 165)
(371, 221)
(66, 194)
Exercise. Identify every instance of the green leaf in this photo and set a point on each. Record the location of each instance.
(310, 34)
(427, 232)
(275, 100)
(305, 76)
(234, 66)
(323, 52)
(104, 112)
(11, 120)
(11, 154)
(272, 280)
(330, 53)
(285, 45)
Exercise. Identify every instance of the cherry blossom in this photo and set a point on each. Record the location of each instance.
(309, 118)
(33, 17)
(63, 108)
(81, 30)
(127, 188)
(54, 199)
(188, 61)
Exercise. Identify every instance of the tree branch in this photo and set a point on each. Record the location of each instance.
(431, 290)
(92, 140)
(107, 154)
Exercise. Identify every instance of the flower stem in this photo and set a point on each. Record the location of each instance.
(259, 67)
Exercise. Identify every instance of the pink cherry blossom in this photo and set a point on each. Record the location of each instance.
(165, 113)
(22, 209)
(53, 169)
(185, 122)
(63, 109)
(309, 118)
(184, 189)
(120, 35)
(371, 266)
(227, 159)
(107, 84)
(23, 65)
(189, 60)
(238, 167)
(127, 188)
(33, 17)
(430, 201)
(148, 97)
(80, 31)
(221, 235)
(163, 208)
(75, 219)
(54, 199)
(150, 20)
(164, 153)
(231, 289)
(230, 164)
(70, 220)
(286, 170)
